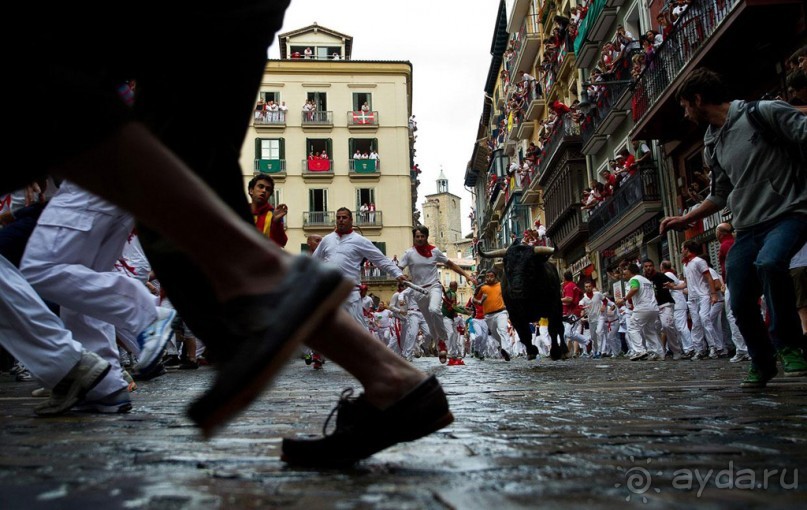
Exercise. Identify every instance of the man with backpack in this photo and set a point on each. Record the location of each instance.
(755, 153)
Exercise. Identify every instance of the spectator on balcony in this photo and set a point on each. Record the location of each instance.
(374, 155)
(665, 24)
(312, 156)
(371, 212)
(610, 180)
(335, 56)
(357, 154)
(323, 155)
(307, 53)
(608, 56)
(283, 109)
(259, 109)
(272, 109)
(363, 210)
(365, 107)
(625, 42)
(642, 152)
(679, 9)
(638, 62)
(308, 110)
(654, 38)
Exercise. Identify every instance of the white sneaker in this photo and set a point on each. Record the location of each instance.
(740, 356)
(152, 340)
(639, 356)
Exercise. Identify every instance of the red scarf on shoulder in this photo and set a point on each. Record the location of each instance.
(260, 216)
(425, 250)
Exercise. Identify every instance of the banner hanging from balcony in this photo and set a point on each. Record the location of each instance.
(364, 166)
(319, 165)
(366, 118)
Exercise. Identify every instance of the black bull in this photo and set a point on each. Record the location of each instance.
(531, 291)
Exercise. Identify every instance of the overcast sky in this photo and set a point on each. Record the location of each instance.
(448, 44)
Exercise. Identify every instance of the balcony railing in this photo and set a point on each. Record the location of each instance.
(364, 166)
(319, 219)
(642, 187)
(270, 166)
(317, 118)
(362, 119)
(564, 129)
(691, 31)
(267, 118)
(607, 99)
(368, 219)
(315, 167)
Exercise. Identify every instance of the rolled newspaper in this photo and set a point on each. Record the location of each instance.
(416, 288)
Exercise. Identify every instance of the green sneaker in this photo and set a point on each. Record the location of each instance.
(758, 378)
(793, 362)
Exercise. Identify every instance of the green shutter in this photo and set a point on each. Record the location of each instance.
(330, 150)
(282, 148)
(257, 148)
(356, 105)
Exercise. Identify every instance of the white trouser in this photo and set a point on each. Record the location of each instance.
(352, 306)
(703, 329)
(453, 343)
(612, 344)
(643, 334)
(572, 332)
(497, 325)
(542, 341)
(682, 327)
(31, 332)
(716, 316)
(388, 338)
(736, 336)
(69, 260)
(596, 328)
(667, 326)
(479, 336)
(411, 324)
(430, 306)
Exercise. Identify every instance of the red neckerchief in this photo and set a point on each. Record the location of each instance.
(260, 215)
(346, 233)
(425, 250)
(686, 260)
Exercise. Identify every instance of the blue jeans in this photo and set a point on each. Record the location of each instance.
(758, 264)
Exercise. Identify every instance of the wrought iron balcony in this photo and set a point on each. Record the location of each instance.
(692, 30)
(368, 219)
(270, 166)
(565, 130)
(270, 119)
(636, 197)
(317, 119)
(319, 219)
(362, 119)
(317, 168)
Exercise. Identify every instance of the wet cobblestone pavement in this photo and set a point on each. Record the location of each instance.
(593, 433)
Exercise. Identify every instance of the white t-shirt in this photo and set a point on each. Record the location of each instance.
(422, 270)
(677, 295)
(716, 277)
(592, 304)
(697, 285)
(645, 299)
(347, 251)
(383, 318)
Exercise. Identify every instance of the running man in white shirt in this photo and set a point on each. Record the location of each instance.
(346, 249)
(422, 260)
(592, 303)
(643, 334)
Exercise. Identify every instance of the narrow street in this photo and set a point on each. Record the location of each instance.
(591, 433)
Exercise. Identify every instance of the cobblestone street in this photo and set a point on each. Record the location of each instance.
(569, 434)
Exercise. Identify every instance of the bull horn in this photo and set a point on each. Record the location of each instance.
(493, 254)
(543, 250)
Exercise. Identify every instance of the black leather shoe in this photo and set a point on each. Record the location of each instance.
(362, 429)
(267, 330)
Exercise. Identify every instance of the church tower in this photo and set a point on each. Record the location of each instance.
(441, 214)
